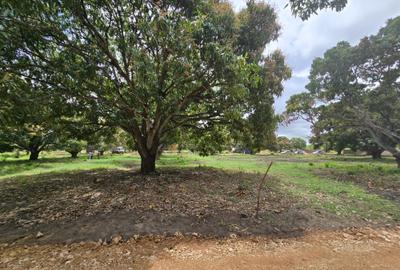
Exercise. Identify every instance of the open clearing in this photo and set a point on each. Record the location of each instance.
(315, 211)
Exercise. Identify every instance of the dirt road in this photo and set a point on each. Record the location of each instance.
(350, 249)
(368, 249)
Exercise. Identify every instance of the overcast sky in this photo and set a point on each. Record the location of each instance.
(302, 41)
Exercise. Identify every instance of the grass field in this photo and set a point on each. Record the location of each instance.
(73, 200)
(344, 186)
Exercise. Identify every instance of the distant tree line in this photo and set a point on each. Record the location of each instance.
(283, 143)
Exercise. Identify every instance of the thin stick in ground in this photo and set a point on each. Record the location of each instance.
(262, 183)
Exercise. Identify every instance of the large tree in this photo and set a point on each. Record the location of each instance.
(257, 27)
(259, 125)
(148, 67)
(358, 86)
(327, 128)
(34, 118)
(26, 121)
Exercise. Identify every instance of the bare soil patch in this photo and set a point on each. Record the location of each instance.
(362, 248)
(351, 249)
(93, 205)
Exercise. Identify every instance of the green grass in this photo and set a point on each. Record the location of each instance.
(296, 176)
(235, 162)
(341, 198)
(50, 164)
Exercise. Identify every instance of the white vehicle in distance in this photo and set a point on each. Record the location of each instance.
(118, 150)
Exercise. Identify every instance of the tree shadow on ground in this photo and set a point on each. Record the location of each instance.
(92, 205)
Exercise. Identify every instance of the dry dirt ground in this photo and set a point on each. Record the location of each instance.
(364, 248)
(93, 205)
(181, 219)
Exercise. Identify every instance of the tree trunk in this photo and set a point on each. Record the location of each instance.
(389, 147)
(148, 164)
(397, 157)
(147, 145)
(160, 150)
(376, 154)
(34, 154)
(74, 154)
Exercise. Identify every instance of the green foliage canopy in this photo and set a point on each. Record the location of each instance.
(298, 143)
(148, 67)
(358, 86)
(26, 121)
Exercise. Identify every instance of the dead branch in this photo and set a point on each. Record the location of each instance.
(262, 183)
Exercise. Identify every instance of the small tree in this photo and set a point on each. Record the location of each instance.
(74, 147)
(283, 143)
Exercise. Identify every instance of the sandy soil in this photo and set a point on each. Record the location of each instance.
(364, 248)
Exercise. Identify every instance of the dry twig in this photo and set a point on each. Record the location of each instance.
(262, 183)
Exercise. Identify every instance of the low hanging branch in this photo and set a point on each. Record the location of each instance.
(262, 183)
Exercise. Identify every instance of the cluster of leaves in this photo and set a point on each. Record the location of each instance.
(305, 8)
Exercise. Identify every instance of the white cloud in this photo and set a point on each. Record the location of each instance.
(302, 73)
(299, 128)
